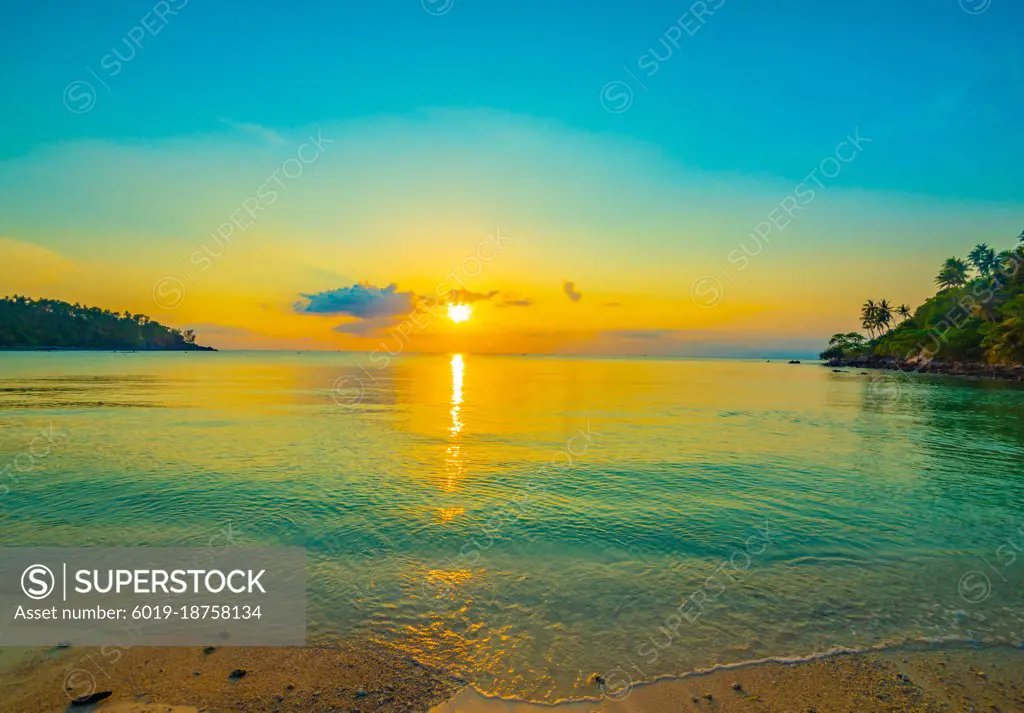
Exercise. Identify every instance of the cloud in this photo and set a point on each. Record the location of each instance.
(511, 301)
(375, 308)
(260, 132)
(360, 300)
(702, 343)
(646, 333)
(468, 296)
(26, 267)
(365, 327)
(571, 292)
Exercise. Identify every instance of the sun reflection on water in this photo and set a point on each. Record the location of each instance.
(458, 371)
(455, 466)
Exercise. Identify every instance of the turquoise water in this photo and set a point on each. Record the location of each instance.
(712, 512)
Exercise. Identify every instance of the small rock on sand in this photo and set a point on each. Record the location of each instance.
(92, 698)
(237, 674)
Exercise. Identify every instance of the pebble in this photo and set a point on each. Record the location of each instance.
(237, 673)
(92, 698)
(737, 686)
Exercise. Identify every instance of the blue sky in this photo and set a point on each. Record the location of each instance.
(761, 88)
(490, 113)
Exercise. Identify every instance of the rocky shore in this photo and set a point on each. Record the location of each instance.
(932, 366)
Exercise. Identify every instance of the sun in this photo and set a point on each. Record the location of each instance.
(459, 313)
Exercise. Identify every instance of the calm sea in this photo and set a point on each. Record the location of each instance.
(527, 522)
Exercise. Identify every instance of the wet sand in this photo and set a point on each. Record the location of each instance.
(349, 678)
(364, 678)
(927, 681)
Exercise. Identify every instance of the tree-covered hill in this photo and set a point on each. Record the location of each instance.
(38, 324)
(976, 317)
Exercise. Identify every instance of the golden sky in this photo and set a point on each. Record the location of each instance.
(329, 236)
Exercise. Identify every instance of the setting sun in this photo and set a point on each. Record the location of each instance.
(459, 313)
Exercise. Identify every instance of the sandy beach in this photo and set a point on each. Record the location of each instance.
(363, 679)
(221, 679)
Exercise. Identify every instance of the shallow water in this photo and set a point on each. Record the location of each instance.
(712, 511)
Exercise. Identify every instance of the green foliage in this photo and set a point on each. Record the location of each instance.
(26, 323)
(977, 316)
(1004, 340)
(953, 274)
(845, 346)
(876, 318)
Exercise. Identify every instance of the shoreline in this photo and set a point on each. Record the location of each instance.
(963, 369)
(359, 677)
(943, 678)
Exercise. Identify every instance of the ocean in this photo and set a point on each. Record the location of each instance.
(528, 522)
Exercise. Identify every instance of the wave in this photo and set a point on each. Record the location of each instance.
(912, 644)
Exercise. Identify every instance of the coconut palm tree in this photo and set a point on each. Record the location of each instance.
(953, 273)
(869, 317)
(1006, 263)
(884, 315)
(983, 258)
(904, 311)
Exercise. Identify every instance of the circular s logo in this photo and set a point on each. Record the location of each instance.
(79, 685)
(706, 292)
(616, 97)
(79, 97)
(168, 292)
(347, 390)
(975, 587)
(37, 582)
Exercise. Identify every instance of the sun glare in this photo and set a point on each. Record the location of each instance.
(459, 313)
